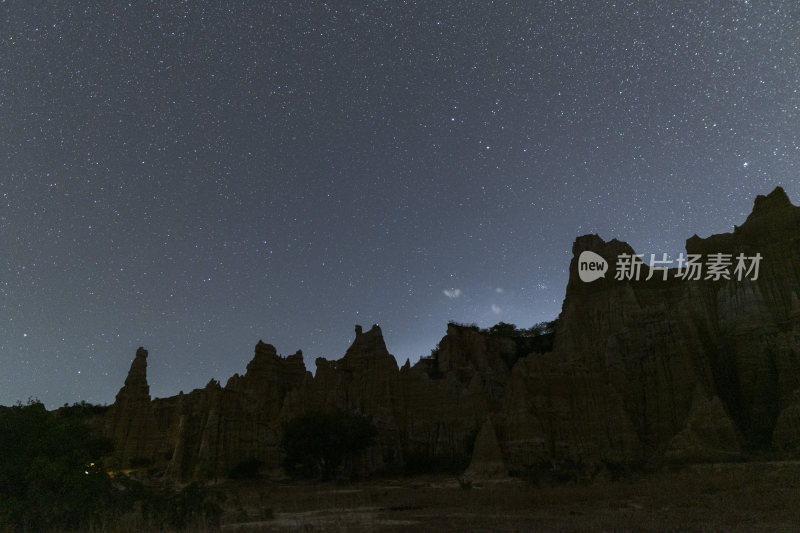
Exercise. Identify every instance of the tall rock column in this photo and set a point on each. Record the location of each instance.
(131, 423)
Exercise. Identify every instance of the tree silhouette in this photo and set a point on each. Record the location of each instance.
(50, 472)
(317, 442)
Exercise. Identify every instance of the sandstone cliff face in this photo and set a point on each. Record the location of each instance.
(666, 346)
(639, 370)
(220, 427)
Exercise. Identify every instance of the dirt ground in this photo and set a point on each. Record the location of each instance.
(720, 497)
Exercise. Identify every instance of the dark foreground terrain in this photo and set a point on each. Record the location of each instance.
(718, 497)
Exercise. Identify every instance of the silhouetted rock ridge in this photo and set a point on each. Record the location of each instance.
(640, 370)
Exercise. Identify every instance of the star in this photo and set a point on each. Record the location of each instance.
(196, 191)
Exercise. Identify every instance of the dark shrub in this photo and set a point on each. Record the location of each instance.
(192, 507)
(50, 471)
(317, 443)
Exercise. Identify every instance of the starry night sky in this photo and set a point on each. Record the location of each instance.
(195, 176)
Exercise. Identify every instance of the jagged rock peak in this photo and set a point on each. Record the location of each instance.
(136, 387)
(266, 359)
(262, 348)
(609, 251)
(773, 220)
(777, 199)
(775, 207)
(595, 243)
(592, 242)
(369, 343)
(262, 358)
(137, 375)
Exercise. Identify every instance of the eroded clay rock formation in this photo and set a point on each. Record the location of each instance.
(487, 461)
(131, 421)
(647, 370)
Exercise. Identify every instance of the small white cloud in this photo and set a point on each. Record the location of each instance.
(452, 293)
(499, 290)
(496, 309)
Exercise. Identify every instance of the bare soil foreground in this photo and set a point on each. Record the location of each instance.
(716, 497)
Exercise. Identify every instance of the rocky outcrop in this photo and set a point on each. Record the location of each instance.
(487, 461)
(220, 427)
(675, 351)
(639, 370)
(708, 435)
(131, 422)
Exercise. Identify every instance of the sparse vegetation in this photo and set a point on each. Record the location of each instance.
(435, 352)
(537, 338)
(432, 362)
(52, 479)
(50, 471)
(539, 329)
(191, 507)
(83, 409)
(42, 491)
(471, 325)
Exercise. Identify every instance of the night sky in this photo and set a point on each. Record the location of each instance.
(195, 176)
